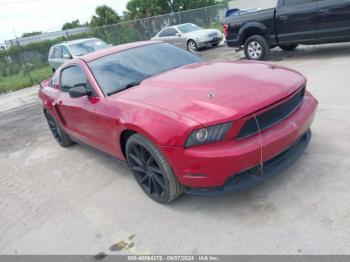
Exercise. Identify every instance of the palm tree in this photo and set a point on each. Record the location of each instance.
(146, 8)
(104, 16)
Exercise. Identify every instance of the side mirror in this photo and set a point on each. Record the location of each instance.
(79, 90)
(178, 34)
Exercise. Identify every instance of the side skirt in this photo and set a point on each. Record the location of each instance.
(120, 161)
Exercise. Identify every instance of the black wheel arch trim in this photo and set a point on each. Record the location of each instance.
(251, 28)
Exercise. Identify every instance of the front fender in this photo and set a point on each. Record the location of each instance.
(162, 127)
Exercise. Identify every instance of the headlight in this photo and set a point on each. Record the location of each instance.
(208, 135)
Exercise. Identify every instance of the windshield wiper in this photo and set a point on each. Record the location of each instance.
(132, 84)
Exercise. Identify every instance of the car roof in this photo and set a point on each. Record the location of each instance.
(185, 24)
(181, 25)
(175, 26)
(77, 41)
(115, 49)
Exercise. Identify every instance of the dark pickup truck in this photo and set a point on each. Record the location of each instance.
(291, 23)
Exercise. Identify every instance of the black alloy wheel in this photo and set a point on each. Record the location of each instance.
(53, 127)
(147, 170)
(60, 136)
(151, 170)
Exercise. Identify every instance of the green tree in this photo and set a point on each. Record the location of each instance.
(70, 25)
(104, 16)
(145, 8)
(31, 34)
(223, 2)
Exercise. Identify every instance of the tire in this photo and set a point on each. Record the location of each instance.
(288, 47)
(151, 170)
(256, 48)
(192, 46)
(59, 134)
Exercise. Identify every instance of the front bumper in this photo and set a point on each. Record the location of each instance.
(209, 42)
(258, 174)
(213, 165)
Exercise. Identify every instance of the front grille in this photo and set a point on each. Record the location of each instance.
(273, 116)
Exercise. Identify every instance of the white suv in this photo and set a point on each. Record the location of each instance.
(62, 52)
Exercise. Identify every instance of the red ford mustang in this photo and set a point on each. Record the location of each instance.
(180, 122)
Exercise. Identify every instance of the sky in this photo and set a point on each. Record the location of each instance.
(47, 15)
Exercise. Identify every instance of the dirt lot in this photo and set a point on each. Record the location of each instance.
(78, 201)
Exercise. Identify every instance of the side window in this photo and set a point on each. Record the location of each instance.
(66, 53)
(163, 33)
(52, 52)
(168, 32)
(296, 2)
(72, 76)
(58, 52)
(172, 32)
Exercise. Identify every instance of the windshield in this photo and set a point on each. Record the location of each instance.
(116, 71)
(88, 46)
(188, 28)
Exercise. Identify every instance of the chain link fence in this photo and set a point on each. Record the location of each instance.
(24, 62)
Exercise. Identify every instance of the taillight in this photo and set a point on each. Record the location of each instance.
(225, 29)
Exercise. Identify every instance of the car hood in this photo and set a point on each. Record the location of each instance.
(216, 91)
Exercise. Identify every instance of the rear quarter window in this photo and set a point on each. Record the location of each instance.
(52, 52)
(58, 52)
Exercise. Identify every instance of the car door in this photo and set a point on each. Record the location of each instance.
(56, 58)
(82, 117)
(296, 21)
(334, 20)
(171, 35)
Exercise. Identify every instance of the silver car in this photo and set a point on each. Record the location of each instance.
(62, 52)
(189, 36)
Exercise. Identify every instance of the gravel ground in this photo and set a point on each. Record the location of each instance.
(78, 201)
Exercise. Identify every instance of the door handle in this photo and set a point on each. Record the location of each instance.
(283, 17)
